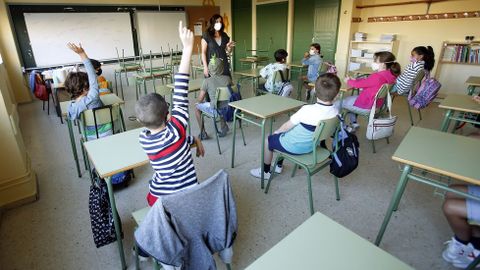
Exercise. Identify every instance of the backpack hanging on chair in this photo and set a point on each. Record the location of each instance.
(227, 112)
(426, 93)
(345, 153)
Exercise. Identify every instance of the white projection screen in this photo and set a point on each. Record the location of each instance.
(99, 33)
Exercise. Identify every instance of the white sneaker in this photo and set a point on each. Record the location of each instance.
(454, 250)
(258, 173)
(278, 169)
(469, 254)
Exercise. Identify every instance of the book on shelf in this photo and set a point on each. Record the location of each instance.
(462, 53)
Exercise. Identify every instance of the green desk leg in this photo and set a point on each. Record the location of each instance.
(402, 183)
(116, 221)
(234, 135)
(262, 155)
(74, 147)
(470, 90)
(446, 121)
(473, 264)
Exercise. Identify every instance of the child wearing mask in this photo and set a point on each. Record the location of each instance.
(313, 60)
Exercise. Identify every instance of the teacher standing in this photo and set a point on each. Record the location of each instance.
(216, 42)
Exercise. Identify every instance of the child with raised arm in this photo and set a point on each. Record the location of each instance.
(165, 140)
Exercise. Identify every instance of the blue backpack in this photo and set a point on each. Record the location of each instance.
(426, 93)
(227, 112)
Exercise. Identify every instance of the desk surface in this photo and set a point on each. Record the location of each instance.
(344, 87)
(59, 85)
(473, 80)
(116, 153)
(107, 99)
(459, 102)
(266, 106)
(297, 65)
(362, 71)
(321, 243)
(193, 85)
(440, 152)
(255, 72)
(254, 59)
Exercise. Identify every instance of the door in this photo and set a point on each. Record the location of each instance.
(325, 27)
(272, 27)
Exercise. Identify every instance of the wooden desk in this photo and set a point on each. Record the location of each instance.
(264, 107)
(361, 72)
(472, 83)
(438, 152)
(108, 99)
(111, 155)
(321, 243)
(458, 103)
(56, 87)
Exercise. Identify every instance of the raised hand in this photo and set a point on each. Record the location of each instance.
(186, 36)
(78, 49)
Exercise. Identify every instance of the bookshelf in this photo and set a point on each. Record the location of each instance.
(360, 53)
(459, 53)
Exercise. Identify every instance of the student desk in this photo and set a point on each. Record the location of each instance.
(263, 107)
(297, 68)
(111, 155)
(437, 152)
(321, 243)
(108, 99)
(253, 74)
(458, 103)
(472, 83)
(56, 87)
(364, 71)
(254, 60)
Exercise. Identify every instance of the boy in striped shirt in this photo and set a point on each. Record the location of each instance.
(165, 140)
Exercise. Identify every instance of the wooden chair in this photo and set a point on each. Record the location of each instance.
(312, 162)
(416, 84)
(222, 96)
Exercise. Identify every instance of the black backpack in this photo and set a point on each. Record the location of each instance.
(345, 152)
(101, 216)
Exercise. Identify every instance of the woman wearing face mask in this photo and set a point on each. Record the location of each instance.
(386, 71)
(422, 58)
(216, 42)
(313, 60)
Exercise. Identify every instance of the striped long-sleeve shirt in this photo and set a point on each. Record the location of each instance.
(169, 150)
(405, 80)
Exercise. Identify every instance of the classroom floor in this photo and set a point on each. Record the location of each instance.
(54, 232)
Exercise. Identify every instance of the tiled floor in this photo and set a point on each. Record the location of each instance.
(54, 232)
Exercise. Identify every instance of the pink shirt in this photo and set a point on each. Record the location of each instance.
(370, 86)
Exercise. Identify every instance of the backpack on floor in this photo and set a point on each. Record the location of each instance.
(227, 112)
(101, 215)
(426, 93)
(345, 152)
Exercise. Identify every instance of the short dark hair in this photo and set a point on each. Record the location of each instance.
(151, 110)
(280, 55)
(327, 87)
(316, 46)
(76, 83)
(95, 63)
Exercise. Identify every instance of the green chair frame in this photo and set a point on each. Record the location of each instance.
(124, 67)
(382, 93)
(222, 95)
(416, 84)
(312, 162)
(277, 77)
(150, 74)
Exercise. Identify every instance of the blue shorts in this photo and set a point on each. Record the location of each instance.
(473, 206)
(274, 144)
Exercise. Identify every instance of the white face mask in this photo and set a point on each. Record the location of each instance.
(312, 52)
(375, 66)
(217, 26)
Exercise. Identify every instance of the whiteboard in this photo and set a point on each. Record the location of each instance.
(157, 30)
(99, 34)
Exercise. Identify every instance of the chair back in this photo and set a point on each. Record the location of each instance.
(325, 129)
(107, 114)
(223, 94)
(323, 68)
(382, 94)
(417, 81)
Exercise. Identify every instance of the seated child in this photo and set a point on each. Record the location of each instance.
(83, 88)
(295, 136)
(102, 82)
(464, 246)
(165, 140)
(386, 70)
(268, 71)
(422, 58)
(209, 87)
(313, 60)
